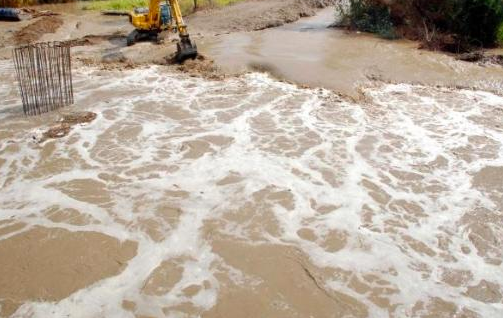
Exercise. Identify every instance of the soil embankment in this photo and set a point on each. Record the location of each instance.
(254, 15)
(37, 29)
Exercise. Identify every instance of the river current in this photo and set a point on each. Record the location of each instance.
(252, 196)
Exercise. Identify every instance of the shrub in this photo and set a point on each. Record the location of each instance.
(114, 4)
(454, 25)
(479, 21)
(370, 16)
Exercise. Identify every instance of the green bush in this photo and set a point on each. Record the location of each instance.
(479, 21)
(463, 23)
(368, 16)
(114, 4)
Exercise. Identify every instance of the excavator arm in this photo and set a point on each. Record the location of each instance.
(153, 14)
(149, 23)
(185, 48)
(177, 15)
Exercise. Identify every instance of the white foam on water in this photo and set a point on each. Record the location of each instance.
(148, 121)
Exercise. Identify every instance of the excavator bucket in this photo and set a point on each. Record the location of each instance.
(185, 49)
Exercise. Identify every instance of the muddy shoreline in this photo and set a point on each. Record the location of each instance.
(264, 36)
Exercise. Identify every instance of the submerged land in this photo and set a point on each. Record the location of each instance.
(293, 170)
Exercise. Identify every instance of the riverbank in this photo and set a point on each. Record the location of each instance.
(309, 53)
(306, 53)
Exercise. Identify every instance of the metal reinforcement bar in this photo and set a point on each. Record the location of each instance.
(44, 73)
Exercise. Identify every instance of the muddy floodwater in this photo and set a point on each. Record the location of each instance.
(250, 197)
(309, 52)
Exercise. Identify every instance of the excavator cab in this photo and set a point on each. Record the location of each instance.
(165, 16)
(158, 17)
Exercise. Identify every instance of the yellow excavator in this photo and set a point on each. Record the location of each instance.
(161, 16)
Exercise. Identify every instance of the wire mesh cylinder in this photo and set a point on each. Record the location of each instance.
(44, 73)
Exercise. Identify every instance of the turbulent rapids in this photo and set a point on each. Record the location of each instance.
(251, 197)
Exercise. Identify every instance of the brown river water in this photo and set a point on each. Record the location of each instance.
(252, 197)
(308, 52)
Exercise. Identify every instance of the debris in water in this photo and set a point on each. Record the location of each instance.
(481, 58)
(201, 66)
(58, 131)
(471, 56)
(78, 118)
(65, 125)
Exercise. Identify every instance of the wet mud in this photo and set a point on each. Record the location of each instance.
(33, 32)
(253, 15)
(201, 66)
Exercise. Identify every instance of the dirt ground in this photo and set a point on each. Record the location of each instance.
(253, 15)
(34, 31)
(244, 16)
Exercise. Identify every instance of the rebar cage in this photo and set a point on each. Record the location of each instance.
(44, 74)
